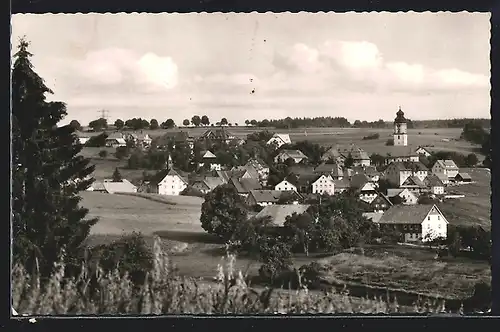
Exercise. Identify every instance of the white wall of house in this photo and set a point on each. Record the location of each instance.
(171, 185)
(362, 162)
(397, 176)
(324, 185)
(437, 190)
(434, 226)
(368, 197)
(438, 169)
(422, 174)
(409, 197)
(285, 186)
(277, 141)
(423, 151)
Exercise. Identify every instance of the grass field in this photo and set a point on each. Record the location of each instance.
(475, 207)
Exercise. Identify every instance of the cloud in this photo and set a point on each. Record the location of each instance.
(114, 66)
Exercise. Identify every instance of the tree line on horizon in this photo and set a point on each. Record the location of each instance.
(286, 123)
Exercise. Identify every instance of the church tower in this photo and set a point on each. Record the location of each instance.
(400, 129)
(169, 164)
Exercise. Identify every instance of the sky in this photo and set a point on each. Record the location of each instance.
(257, 66)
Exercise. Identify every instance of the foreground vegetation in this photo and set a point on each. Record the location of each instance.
(163, 292)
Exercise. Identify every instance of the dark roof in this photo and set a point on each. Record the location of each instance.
(433, 180)
(383, 197)
(356, 153)
(406, 214)
(358, 180)
(161, 175)
(252, 171)
(344, 183)
(400, 117)
(302, 179)
(300, 170)
(414, 181)
(219, 133)
(271, 195)
(213, 181)
(409, 166)
(244, 186)
(293, 153)
(331, 154)
(464, 176)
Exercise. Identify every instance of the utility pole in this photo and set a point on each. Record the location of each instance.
(104, 114)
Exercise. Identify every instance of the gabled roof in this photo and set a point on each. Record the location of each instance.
(301, 170)
(359, 180)
(329, 168)
(415, 166)
(272, 195)
(115, 187)
(383, 197)
(344, 183)
(252, 171)
(115, 135)
(356, 153)
(423, 148)
(406, 214)
(208, 154)
(258, 164)
(464, 176)
(400, 152)
(293, 153)
(278, 213)
(243, 186)
(118, 140)
(285, 138)
(413, 181)
(326, 177)
(158, 177)
(288, 180)
(371, 171)
(213, 182)
(447, 164)
(219, 133)
(432, 180)
(443, 177)
(373, 216)
(332, 154)
(305, 179)
(391, 192)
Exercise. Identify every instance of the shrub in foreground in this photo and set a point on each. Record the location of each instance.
(163, 292)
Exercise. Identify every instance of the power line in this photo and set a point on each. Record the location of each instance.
(104, 114)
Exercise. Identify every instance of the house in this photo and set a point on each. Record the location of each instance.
(124, 186)
(407, 196)
(140, 138)
(277, 214)
(443, 177)
(97, 186)
(207, 184)
(359, 156)
(447, 167)
(463, 177)
(284, 155)
(435, 184)
(397, 172)
(303, 182)
(372, 174)
(168, 182)
(332, 169)
(401, 154)
(323, 185)
(373, 216)
(333, 155)
(82, 137)
(380, 203)
(270, 197)
(244, 186)
(179, 137)
(363, 187)
(341, 185)
(246, 172)
(285, 186)
(423, 151)
(261, 168)
(279, 140)
(421, 222)
(413, 183)
(209, 160)
(115, 140)
(219, 135)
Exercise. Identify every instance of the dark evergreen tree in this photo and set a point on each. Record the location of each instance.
(117, 177)
(48, 173)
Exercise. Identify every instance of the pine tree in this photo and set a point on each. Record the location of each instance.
(117, 177)
(47, 174)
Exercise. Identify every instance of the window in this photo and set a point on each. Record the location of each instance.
(429, 218)
(439, 226)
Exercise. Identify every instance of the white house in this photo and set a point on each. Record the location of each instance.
(419, 222)
(359, 156)
(279, 140)
(123, 186)
(115, 140)
(435, 185)
(285, 186)
(324, 185)
(208, 158)
(171, 183)
(423, 151)
(141, 138)
(284, 155)
(261, 168)
(447, 167)
(408, 197)
(368, 192)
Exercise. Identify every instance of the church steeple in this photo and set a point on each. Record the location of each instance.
(169, 164)
(400, 129)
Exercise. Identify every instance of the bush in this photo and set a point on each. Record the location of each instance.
(390, 142)
(97, 141)
(190, 191)
(276, 257)
(121, 152)
(372, 136)
(103, 153)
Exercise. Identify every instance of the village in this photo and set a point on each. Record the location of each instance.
(398, 192)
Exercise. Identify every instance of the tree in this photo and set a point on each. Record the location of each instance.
(185, 122)
(471, 160)
(117, 177)
(247, 122)
(168, 124)
(222, 211)
(254, 122)
(119, 124)
(153, 124)
(99, 124)
(205, 121)
(223, 122)
(103, 153)
(121, 152)
(48, 173)
(377, 159)
(97, 141)
(300, 229)
(349, 161)
(75, 124)
(196, 121)
(390, 142)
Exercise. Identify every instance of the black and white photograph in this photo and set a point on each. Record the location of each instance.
(250, 163)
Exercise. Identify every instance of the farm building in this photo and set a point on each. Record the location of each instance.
(419, 222)
(168, 182)
(333, 155)
(401, 154)
(341, 185)
(209, 160)
(279, 140)
(270, 197)
(261, 168)
(244, 186)
(207, 184)
(278, 213)
(332, 169)
(408, 197)
(380, 203)
(414, 184)
(140, 139)
(179, 137)
(359, 156)
(219, 135)
(463, 177)
(303, 182)
(397, 172)
(285, 186)
(423, 151)
(97, 186)
(324, 185)
(246, 172)
(435, 184)
(123, 186)
(82, 137)
(447, 167)
(373, 216)
(284, 155)
(115, 140)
